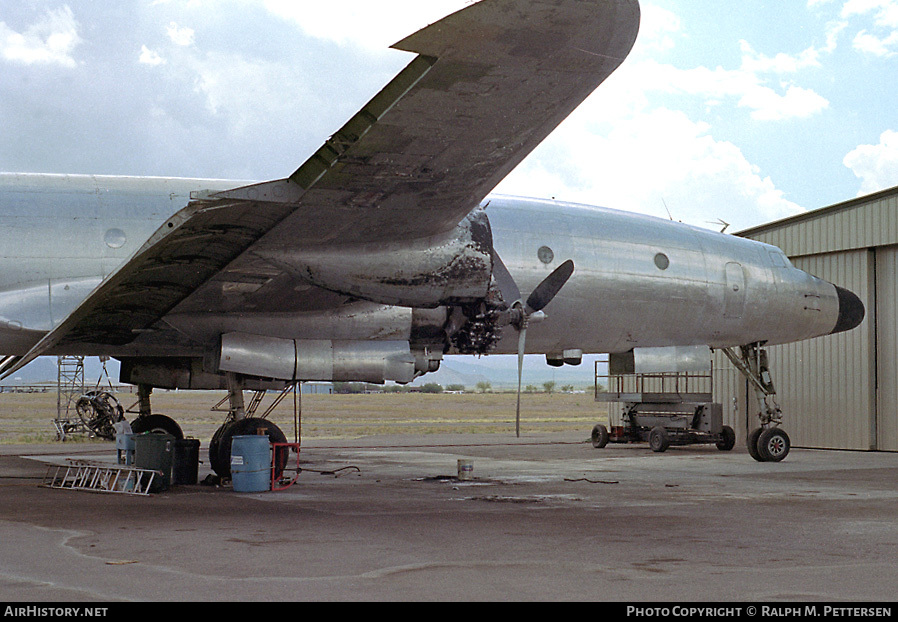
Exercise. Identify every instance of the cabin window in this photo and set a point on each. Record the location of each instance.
(115, 238)
(661, 261)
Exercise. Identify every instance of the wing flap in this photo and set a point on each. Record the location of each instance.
(188, 250)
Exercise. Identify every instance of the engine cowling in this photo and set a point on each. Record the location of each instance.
(323, 359)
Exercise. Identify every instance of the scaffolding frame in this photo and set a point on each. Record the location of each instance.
(69, 388)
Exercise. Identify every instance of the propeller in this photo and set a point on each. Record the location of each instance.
(522, 313)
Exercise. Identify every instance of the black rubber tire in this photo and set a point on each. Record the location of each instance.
(157, 423)
(773, 445)
(752, 443)
(727, 439)
(220, 446)
(659, 440)
(599, 436)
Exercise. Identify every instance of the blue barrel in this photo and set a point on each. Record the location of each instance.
(251, 463)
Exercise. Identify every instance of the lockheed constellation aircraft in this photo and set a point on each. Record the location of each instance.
(385, 251)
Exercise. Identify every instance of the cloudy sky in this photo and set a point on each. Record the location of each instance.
(745, 112)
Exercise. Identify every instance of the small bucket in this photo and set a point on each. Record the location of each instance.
(465, 469)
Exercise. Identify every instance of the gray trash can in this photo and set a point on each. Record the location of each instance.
(155, 451)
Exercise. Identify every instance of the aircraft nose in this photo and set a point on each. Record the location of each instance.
(851, 311)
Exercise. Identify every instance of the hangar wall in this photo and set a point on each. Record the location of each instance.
(839, 391)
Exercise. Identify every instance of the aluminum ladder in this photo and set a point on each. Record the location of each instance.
(117, 478)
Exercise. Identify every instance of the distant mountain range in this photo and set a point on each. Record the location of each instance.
(499, 370)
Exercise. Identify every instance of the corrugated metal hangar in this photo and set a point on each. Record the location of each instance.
(840, 391)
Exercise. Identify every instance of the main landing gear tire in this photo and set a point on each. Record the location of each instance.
(220, 446)
(768, 444)
(157, 424)
(599, 436)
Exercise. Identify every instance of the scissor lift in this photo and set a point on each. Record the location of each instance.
(663, 409)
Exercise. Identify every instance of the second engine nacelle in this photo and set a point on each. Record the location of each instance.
(448, 270)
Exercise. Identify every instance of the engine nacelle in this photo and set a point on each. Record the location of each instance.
(321, 359)
(447, 270)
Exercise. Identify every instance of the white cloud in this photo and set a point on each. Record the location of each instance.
(233, 86)
(878, 46)
(371, 25)
(746, 86)
(755, 62)
(795, 102)
(880, 38)
(885, 11)
(657, 29)
(50, 41)
(875, 165)
(180, 36)
(150, 57)
(647, 160)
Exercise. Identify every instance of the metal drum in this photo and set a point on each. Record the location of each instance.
(251, 463)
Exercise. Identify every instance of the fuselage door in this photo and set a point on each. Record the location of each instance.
(734, 294)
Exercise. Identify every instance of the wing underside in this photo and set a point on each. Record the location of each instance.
(488, 84)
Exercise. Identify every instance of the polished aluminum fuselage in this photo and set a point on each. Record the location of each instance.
(638, 282)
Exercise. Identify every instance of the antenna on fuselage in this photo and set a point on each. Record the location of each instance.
(669, 215)
(719, 221)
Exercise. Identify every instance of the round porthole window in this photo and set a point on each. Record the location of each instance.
(545, 254)
(662, 261)
(115, 238)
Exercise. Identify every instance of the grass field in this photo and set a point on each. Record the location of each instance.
(27, 417)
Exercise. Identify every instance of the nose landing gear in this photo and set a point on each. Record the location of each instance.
(769, 442)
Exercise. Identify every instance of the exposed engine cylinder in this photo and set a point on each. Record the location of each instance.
(317, 359)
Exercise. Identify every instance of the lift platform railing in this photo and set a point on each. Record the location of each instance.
(653, 387)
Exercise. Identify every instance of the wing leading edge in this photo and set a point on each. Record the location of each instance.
(490, 82)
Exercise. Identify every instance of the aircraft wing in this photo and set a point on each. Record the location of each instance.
(490, 82)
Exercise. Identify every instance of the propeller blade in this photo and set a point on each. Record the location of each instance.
(507, 287)
(539, 298)
(522, 338)
(546, 291)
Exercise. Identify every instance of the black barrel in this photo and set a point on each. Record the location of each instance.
(185, 461)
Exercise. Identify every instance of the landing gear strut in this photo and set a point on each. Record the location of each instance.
(769, 442)
(241, 421)
(148, 422)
